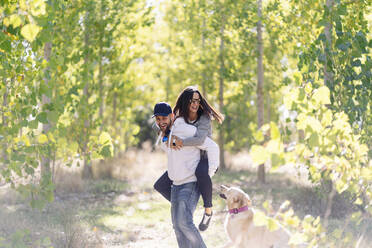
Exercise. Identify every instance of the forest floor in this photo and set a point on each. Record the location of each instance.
(125, 211)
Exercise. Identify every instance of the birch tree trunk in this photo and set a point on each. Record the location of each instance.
(87, 169)
(221, 139)
(4, 121)
(204, 77)
(328, 79)
(260, 83)
(100, 69)
(45, 159)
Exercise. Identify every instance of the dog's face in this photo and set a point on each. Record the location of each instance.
(235, 197)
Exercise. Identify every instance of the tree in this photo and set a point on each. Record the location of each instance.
(260, 83)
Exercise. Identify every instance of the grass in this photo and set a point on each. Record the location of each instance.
(126, 212)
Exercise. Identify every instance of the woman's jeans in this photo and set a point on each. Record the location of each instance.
(163, 184)
(184, 199)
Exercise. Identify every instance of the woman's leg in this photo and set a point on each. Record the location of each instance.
(205, 188)
(204, 181)
(163, 186)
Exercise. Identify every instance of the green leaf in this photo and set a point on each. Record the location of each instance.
(356, 63)
(276, 161)
(104, 138)
(30, 31)
(358, 201)
(258, 154)
(258, 136)
(135, 130)
(33, 124)
(327, 118)
(42, 139)
(342, 10)
(106, 151)
(341, 186)
(274, 146)
(38, 7)
(313, 123)
(42, 117)
(15, 20)
(29, 170)
(367, 173)
(297, 238)
(274, 131)
(272, 225)
(53, 116)
(5, 43)
(314, 140)
(260, 218)
(321, 95)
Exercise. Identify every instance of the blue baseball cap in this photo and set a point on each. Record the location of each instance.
(162, 108)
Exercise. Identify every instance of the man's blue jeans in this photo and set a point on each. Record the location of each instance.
(184, 199)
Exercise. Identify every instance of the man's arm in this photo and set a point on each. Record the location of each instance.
(213, 152)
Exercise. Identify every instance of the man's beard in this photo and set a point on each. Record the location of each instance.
(166, 129)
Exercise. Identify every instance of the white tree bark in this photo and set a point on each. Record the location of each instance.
(221, 139)
(45, 159)
(260, 83)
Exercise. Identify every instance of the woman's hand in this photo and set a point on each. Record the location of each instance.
(176, 143)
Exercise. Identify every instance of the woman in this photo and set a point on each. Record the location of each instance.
(194, 108)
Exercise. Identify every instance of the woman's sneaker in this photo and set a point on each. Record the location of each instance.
(205, 221)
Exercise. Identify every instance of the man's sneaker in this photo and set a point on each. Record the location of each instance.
(205, 221)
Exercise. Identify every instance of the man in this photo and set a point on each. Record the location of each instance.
(181, 170)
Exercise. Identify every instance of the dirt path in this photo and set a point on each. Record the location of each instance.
(126, 212)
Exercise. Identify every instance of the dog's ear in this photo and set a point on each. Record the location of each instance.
(223, 196)
(224, 188)
(223, 191)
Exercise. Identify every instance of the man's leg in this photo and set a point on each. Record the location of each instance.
(163, 186)
(184, 201)
(181, 238)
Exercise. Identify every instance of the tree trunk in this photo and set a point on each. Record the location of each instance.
(113, 120)
(260, 83)
(221, 139)
(45, 159)
(328, 77)
(4, 122)
(100, 69)
(167, 89)
(114, 109)
(268, 109)
(87, 169)
(204, 77)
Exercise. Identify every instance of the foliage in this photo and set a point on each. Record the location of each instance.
(86, 40)
(22, 239)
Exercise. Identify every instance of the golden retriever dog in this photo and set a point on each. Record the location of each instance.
(239, 224)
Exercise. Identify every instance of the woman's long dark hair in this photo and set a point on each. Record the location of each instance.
(184, 101)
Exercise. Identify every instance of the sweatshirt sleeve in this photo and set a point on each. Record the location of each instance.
(213, 152)
(201, 132)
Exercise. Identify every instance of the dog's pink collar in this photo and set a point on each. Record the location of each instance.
(238, 210)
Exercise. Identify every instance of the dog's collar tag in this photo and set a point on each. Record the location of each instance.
(238, 210)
